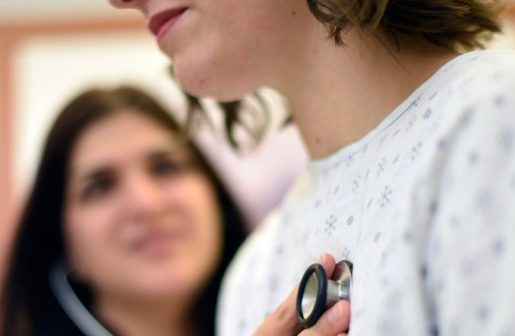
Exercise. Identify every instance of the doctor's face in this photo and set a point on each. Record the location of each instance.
(141, 218)
(227, 48)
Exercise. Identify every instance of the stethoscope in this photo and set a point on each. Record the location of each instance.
(317, 292)
(71, 304)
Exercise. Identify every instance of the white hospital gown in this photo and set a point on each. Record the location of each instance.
(424, 207)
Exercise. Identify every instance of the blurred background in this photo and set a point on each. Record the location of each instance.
(52, 49)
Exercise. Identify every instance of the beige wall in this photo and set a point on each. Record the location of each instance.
(46, 10)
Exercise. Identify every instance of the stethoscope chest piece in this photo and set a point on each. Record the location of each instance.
(317, 292)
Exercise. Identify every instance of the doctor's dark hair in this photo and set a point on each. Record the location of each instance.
(29, 306)
(454, 24)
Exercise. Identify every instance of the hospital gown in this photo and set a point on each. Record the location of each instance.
(424, 207)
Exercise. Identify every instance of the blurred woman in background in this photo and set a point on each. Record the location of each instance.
(127, 230)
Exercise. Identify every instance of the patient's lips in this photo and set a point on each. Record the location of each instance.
(161, 23)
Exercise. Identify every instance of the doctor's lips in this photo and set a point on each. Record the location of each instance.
(156, 242)
(161, 22)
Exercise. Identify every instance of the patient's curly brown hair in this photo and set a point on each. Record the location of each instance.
(457, 25)
(454, 24)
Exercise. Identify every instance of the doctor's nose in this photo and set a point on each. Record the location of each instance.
(144, 197)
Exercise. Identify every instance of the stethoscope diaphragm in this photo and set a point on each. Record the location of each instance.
(317, 292)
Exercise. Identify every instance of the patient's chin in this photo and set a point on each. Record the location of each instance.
(202, 79)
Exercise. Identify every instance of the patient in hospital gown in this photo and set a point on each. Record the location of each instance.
(424, 207)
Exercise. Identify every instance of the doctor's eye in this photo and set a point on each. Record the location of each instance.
(98, 187)
(169, 167)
